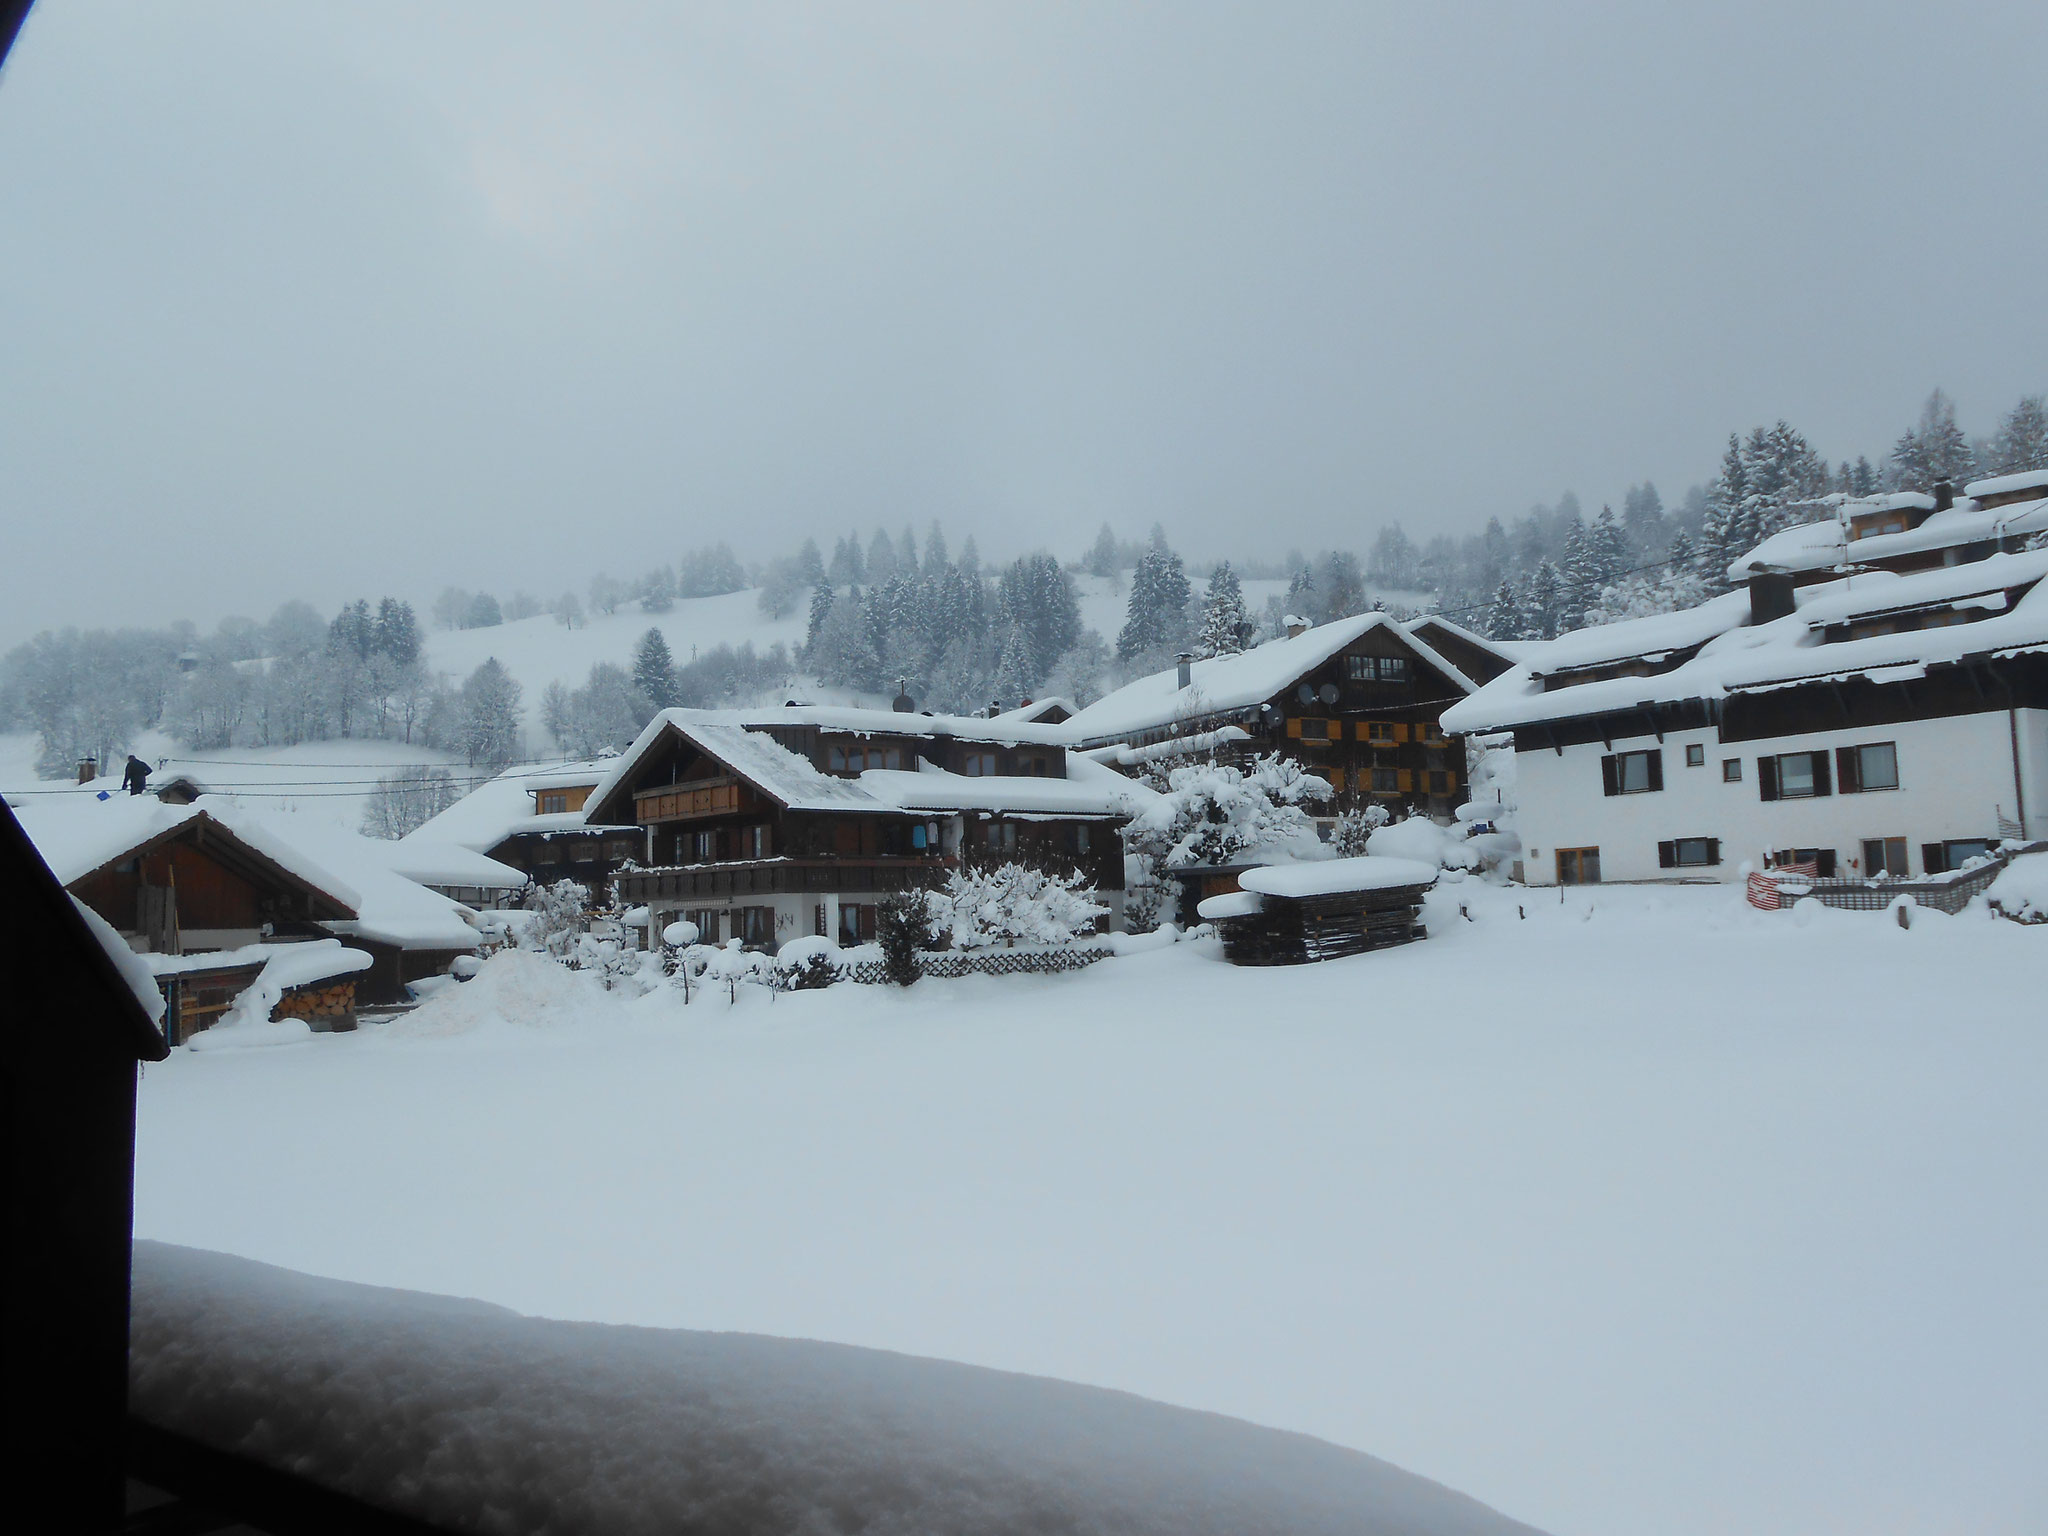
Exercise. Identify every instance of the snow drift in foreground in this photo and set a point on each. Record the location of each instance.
(447, 1409)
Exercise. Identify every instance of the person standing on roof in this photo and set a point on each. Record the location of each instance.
(135, 779)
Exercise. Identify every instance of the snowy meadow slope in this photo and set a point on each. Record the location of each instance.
(1645, 1212)
(538, 650)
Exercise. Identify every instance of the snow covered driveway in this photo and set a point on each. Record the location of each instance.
(1647, 1213)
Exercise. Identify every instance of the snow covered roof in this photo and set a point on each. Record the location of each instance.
(1652, 637)
(1229, 904)
(1239, 681)
(740, 740)
(566, 776)
(494, 810)
(79, 836)
(1802, 547)
(1089, 790)
(1003, 730)
(1038, 709)
(1337, 877)
(765, 763)
(1826, 545)
(1195, 743)
(2000, 485)
(391, 909)
(304, 961)
(433, 862)
(1737, 657)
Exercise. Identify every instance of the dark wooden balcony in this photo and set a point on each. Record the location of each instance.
(688, 802)
(777, 877)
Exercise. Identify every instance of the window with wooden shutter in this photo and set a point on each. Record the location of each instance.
(1794, 776)
(1872, 767)
(1632, 773)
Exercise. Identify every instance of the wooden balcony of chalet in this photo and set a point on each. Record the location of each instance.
(689, 802)
(780, 877)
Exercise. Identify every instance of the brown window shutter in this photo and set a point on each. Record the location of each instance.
(1294, 728)
(1656, 768)
(1846, 770)
(1932, 859)
(1767, 778)
(1713, 850)
(1406, 780)
(1821, 784)
(1400, 730)
(1610, 775)
(1667, 855)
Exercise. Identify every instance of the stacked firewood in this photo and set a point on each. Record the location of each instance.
(332, 1001)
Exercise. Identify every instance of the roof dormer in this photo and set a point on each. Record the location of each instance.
(1895, 513)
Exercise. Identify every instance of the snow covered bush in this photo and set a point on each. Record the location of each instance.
(1215, 813)
(808, 964)
(620, 967)
(902, 928)
(1145, 896)
(556, 916)
(1013, 904)
(1353, 828)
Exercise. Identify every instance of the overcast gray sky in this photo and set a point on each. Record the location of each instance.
(324, 300)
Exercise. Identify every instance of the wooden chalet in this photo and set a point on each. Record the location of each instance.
(190, 882)
(207, 902)
(535, 819)
(798, 821)
(1358, 702)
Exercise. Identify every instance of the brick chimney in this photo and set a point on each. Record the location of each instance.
(1297, 625)
(88, 770)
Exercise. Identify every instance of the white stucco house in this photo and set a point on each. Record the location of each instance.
(1875, 702)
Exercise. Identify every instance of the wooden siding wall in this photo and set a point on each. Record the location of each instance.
(209, 894)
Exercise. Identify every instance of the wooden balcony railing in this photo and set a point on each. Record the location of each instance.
(685, 802)
(775, 877)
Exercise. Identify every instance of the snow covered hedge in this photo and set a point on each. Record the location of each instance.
(1013, 904)
(470, 1417)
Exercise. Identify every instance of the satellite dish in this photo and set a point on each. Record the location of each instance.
(1327, 693)
(1307, 692)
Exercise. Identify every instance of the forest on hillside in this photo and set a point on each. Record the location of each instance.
(885, 612)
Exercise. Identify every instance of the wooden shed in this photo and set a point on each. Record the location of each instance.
(1289, 914)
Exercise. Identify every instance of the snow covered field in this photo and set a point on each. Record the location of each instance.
(1646, 1213)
